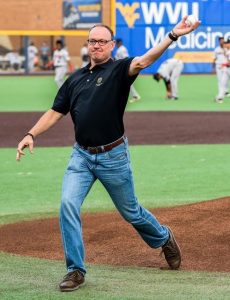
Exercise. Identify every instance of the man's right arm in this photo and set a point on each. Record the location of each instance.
(47, 120)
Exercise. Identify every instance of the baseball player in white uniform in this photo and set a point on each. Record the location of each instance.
(84, 53)
(32, 54)
(225, 77)
(122, 52)
(61, 62)
(220, 60)
(170, 71)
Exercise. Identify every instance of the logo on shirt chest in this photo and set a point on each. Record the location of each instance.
(99, 81)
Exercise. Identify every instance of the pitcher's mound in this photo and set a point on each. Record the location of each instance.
(201, 229)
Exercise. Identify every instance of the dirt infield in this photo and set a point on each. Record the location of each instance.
(141, 128)
(202, 229)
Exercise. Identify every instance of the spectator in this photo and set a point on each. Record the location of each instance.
(169, 71)
(44, 55)
(14, 60)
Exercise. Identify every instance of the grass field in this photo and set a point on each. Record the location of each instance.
(37, 279)
(196, 93)
(173, 175)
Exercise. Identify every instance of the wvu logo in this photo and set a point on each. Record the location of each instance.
(128, 12)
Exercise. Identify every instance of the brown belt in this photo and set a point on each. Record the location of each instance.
(105, 148)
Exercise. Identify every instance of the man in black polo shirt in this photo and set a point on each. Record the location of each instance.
(96, 97)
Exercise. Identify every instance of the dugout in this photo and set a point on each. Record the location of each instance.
(46, 21)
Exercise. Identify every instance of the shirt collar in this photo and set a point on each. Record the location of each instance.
(99, 66)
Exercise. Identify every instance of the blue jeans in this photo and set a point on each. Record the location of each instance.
(113, 170)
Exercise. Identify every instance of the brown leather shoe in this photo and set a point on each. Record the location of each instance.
(172, 252)
(72, 281)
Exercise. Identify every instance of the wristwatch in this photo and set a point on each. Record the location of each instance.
(173, 36)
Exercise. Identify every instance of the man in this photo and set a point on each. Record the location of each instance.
(84, 55)
(61, 61)
(170, 71)
(122, 52)
(44, 54)
(218, 63)
(223, 71)
(32, 56)
(14, 60)
(96, 96)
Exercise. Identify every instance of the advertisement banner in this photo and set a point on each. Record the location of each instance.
(81, 14)
(143, 24)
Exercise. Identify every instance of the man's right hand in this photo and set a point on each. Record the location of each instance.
(27, 141)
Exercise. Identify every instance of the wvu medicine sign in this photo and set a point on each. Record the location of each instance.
(142, 24)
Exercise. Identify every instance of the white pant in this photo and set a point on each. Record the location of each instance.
(31, 64)
(223, 81)
(133, 92)
(174, 77)
(60, 73)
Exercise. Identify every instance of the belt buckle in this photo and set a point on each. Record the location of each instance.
(92, 149)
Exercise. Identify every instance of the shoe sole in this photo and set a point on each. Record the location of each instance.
(134, 100)
(72, 289)
(173, 237)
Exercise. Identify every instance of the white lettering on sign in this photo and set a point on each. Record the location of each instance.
(154, 12)
(196, 40)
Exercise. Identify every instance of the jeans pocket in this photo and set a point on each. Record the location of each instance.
(118, 153)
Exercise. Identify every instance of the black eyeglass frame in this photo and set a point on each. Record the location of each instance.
(101, 42)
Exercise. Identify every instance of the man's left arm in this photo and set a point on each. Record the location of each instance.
(142, 62)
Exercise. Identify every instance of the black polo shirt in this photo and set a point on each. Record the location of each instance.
(96, 100)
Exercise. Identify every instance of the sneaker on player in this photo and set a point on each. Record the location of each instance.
(218, 100)
(135, 99)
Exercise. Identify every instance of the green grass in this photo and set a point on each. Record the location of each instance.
(164, 176)
(37, 93)
(28, 279)
(196, 93)
(26, 93)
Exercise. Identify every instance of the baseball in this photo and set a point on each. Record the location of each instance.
(191, 20)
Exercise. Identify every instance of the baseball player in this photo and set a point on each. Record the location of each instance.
(84, 53)
(32, 55)
(170, 71)
(122, 52)
(61, 62)
(220, 59)
(225, 77)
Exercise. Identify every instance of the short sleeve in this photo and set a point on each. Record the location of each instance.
(62, 100)
(126, 64)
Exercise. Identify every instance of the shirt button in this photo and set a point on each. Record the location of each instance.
(87, 80)
(91, 72)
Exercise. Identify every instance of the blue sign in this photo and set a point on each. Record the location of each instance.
(81, 14)
(143, 24)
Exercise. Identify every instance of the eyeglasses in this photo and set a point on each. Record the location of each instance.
(100, 42)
